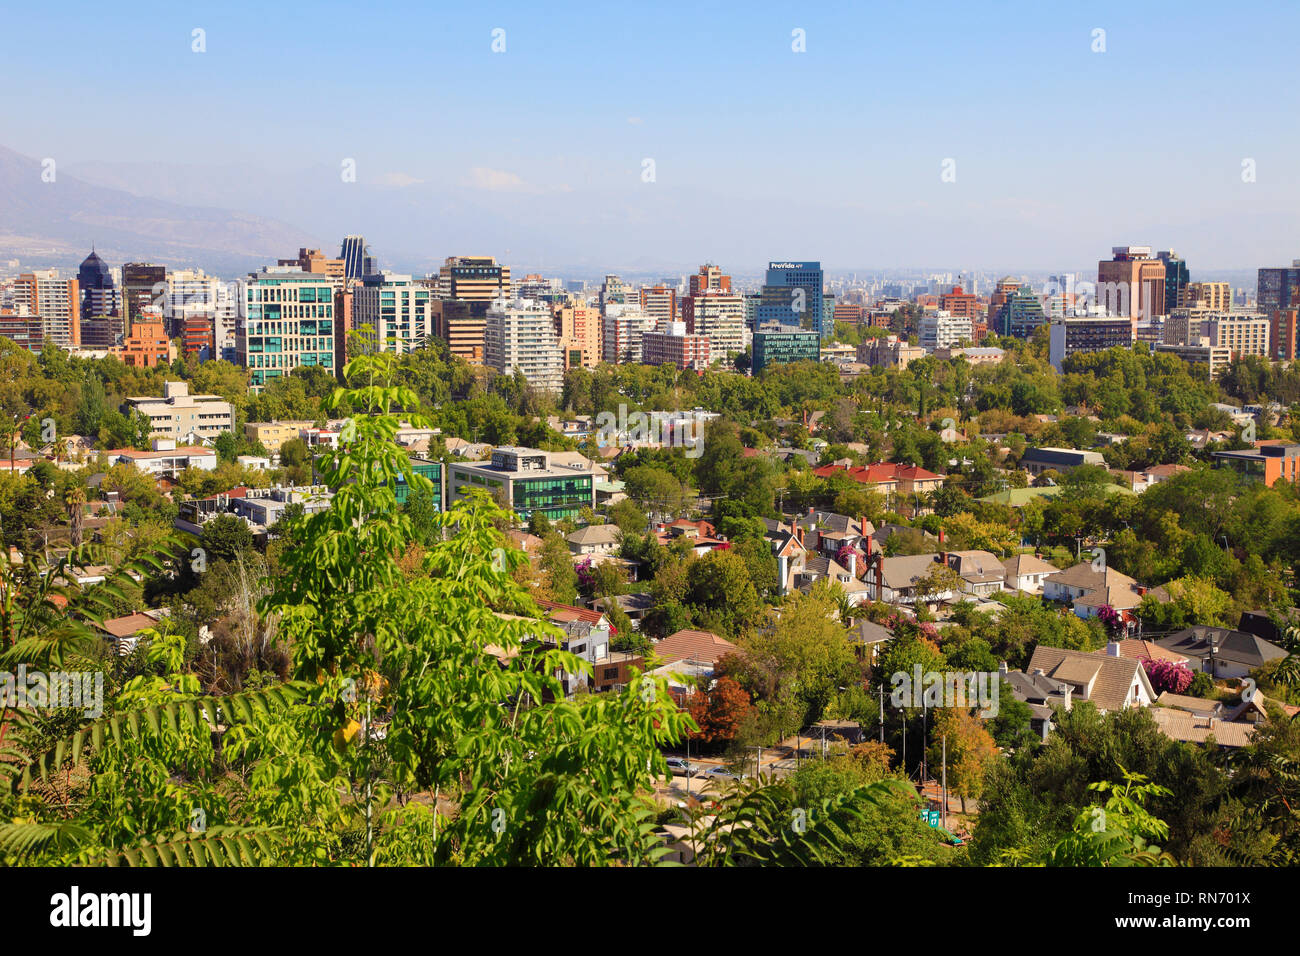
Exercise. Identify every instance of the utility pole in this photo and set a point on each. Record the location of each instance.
(882, 713)
(945, 781)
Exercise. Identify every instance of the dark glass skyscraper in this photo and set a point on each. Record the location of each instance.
(99, 293)
(1278, 288)
(1176, 278)
(792, 296)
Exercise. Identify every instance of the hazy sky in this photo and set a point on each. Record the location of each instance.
(835, 153)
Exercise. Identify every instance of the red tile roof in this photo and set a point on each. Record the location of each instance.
(695, 645)
(878, 473)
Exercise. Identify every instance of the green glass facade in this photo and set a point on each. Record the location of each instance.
(287, 321)
(429, 469)
(557, 497)
(779, 348)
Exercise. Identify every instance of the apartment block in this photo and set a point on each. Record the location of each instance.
(622, 331)
(56, 301)
(940, 329)
(1069, 335)
(659, 302)
(1216, 296)
(180, 416)
(578, 331)
(675, 347)
(521, 335)
(397, 310)
(719, 316)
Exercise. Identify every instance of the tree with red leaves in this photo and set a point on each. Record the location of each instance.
(719, 712)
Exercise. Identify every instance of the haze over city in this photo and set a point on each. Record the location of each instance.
(1061, 141)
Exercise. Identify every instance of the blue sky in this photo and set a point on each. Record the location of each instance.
(835, 153)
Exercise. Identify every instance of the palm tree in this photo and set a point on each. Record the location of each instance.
(74, 500)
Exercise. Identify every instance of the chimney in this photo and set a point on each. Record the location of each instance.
(853, 563)
(941, 534)
(1002, 668)
(811, 511)
(1112, 649)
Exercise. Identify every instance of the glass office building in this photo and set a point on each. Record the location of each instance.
(792, 297)
(778, 348)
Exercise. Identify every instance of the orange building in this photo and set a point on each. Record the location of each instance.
(959, 304)
(146, 345)
(577, 328)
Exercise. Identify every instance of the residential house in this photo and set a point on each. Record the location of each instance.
(595, 539)
(1027, 572)
(1111, 683)
(1220, 651)
(1088, 589)
(981, 572)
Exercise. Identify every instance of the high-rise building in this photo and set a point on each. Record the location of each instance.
(1176, 278)
(521, 335)
(1216, 296)
(460, 323)
(286, 319)
(474, 279)
(1131, 283)
(959, 304)
(1242, 333)
(99, 293)
(720, 316)
(143, 284)
(709, 278)
(622, 329)
(614, 291)
(397, 310)
(57, 302)
(659, 302)
(791, 297)
(1282, 335)
(578, 331)
(1278, 288)
(942, 330)
(779, 348)
(357, 259)
(1019, 312)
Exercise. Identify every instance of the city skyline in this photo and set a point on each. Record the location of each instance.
(894, 140)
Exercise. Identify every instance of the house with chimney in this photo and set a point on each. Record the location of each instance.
(891, 479)
(1087, 589)
(1111, 683)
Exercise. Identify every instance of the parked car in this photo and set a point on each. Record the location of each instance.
(679, 765)
(721, 773)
